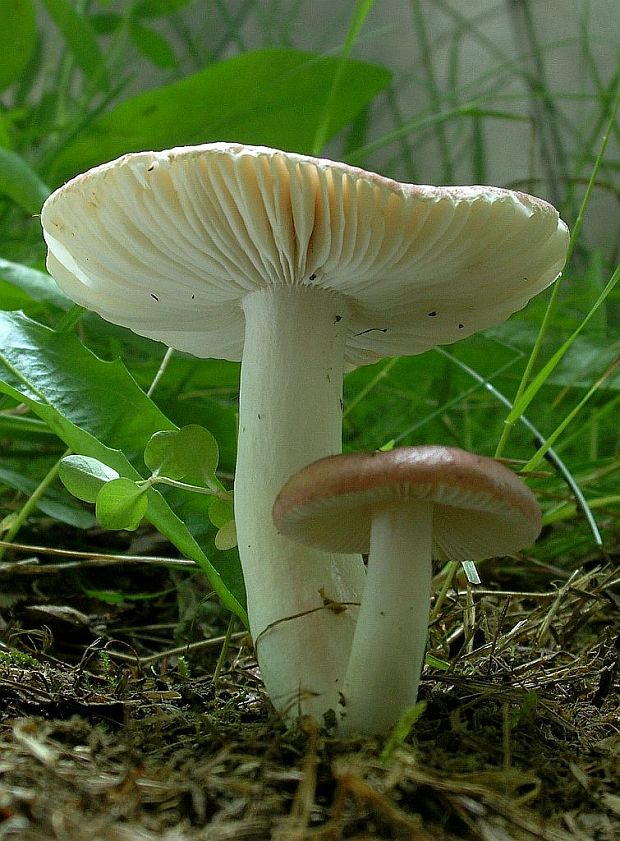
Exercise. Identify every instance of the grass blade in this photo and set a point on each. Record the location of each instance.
(20, 182)
(78, 35)
(322, 131)
(524, 394)
(521, 404)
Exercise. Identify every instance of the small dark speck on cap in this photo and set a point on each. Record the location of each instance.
(312, 277)
(461, 326)
(432, 313)
(154, 296)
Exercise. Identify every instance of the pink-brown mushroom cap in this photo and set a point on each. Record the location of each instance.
(480, 508)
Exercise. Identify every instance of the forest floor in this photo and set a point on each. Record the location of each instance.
(108, 732)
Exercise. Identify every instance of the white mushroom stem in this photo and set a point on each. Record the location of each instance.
(290, 413)
(388, 647)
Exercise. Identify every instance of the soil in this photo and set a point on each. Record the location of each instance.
(142, 717)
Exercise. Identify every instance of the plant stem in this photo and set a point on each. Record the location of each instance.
(31, 503)
(209, 490)
(160, 371)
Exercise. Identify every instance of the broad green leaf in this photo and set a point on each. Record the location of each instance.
(121, 504)
(104, 23)
(79, 36)
(84, 476)
(20, 182)
(5, 136)
(272, 97)
(17, 38)
(158, 8)
(97, 409)
(12, 298)
(152, 45)
(35, 284)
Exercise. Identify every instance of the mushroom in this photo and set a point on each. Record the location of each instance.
(299, 267)
(404, 508)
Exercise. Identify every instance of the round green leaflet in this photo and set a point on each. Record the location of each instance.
(84, 476)
(121, 504)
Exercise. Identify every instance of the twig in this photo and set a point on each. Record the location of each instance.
(86, 559)
(180, 650)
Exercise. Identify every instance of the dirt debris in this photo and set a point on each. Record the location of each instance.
(105, 740)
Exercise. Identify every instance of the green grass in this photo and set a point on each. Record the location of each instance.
(78, 100)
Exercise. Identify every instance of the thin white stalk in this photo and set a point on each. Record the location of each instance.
(290, 414)
(388, 647)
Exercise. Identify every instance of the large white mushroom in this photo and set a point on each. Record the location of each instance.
(299, 267)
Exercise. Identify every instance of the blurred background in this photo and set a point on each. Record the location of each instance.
(519, 94)
(509, 93)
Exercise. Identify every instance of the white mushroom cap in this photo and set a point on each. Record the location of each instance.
(480, 508)
(169, 243)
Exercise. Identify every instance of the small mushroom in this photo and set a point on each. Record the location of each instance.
(299, 267)
(404, 508)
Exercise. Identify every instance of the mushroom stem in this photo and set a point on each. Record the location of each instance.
(290, 413)
(388, 647)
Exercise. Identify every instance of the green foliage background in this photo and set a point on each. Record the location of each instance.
(83, 81)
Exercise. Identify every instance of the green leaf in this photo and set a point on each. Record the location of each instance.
(159, 454)
(221, 512)
(17, 38)
(272, 97)
(226, 538)
(54, 503)
(158, 8)
(97, 409)
(196, 452)
(84, 476)
(79, 36)
(20, 182)
(114, 597)
(152, 45)
(402, 729)
(37, 285)
(121, 504)
(105, 23)
(190, 452)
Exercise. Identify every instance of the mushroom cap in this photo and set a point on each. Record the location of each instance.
(480, 508)
(168, 243)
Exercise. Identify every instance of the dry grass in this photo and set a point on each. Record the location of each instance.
(520, 738)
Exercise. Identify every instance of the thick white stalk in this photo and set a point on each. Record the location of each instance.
(388, 647)
(290, 414)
